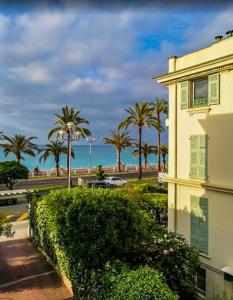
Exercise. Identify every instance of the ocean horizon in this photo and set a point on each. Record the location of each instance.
(101, 155)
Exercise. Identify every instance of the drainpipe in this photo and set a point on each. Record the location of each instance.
(175, 173)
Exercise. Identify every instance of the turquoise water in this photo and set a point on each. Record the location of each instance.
(104, 155)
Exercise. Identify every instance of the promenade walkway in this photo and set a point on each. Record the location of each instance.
(25, 273)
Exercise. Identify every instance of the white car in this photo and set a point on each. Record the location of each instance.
(116, 181)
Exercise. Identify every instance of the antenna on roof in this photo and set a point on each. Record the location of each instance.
(229, 33)
(218, 37)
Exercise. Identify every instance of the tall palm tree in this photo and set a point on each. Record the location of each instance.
(146, 151)
(138, 116)
(120, 140)
(69, 114)
(18, 145)
(160, 107)
(54, 148)
(164, 152)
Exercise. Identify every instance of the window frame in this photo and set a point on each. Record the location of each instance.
(192, 94)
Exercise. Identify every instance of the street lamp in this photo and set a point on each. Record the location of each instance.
(90, 140)
(71, 136)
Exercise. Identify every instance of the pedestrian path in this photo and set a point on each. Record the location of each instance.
(25, 273)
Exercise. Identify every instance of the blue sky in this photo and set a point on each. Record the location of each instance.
(97, 60)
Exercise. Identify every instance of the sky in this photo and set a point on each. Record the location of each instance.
(99, 60)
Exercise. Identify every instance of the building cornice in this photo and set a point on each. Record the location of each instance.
(212, 66)
(200, 184)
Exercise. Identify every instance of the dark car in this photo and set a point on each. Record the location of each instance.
(101, 184)
(8, 201)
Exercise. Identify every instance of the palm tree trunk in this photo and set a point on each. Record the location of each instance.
(159, 162)
(145, 161)
(164, 161)
(68, 158)
(57, 167)
(17, 158)
(118, 160)
(140, 152)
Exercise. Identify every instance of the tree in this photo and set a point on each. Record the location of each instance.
(5, 227)
(69, 114)
(160, 107)
(120, 140)
(10, 172)
(100, 173)
(18, 145)
(141, 114)
(54, 148)
(146, 150)
(164, 152)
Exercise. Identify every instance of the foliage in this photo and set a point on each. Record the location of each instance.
(87, 228)
(160, 107)
(54, 148)
(170, 253)
(18, 145)
(138, 116)
(10, 171)
(5, 228)
(151, 188)
(120, 140)
(100, 173)
(164, 152)
(144, 283)
(146, 151)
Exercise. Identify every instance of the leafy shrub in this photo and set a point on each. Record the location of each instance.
(10, 172)
(170, 253)
(150, 188)
(5, 228)
(157, 205)
(82, 229)
(144, 283)
(100, 173)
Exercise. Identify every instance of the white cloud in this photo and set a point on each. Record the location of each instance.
(94, 85)
(33, 72)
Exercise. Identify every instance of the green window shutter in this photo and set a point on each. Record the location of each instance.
(203, 226)
(194, 149)
(184, 92)
(194, 222)
(199, 223)
(213, 89)
(203, 159)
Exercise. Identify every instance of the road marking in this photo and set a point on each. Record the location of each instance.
(8, 217)
(23, 217)
(24, 279)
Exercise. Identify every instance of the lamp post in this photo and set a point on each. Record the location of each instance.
(71, 136)
(90, 140)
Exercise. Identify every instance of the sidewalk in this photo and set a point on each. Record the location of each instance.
(25, 273)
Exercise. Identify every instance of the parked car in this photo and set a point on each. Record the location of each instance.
(9, 201)
(116, 181)
(101, 184)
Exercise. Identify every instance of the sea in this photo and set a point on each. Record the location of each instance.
(104, 155)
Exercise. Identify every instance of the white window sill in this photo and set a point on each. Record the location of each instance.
(198, 110)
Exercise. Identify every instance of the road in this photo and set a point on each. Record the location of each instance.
(16, 212)
(46, 182)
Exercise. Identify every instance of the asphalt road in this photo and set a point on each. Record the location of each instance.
(15, 211)
(46, 182)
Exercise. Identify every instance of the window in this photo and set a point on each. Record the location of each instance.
(200, 92)
(201, 281)
(199, 223)
(198, 157)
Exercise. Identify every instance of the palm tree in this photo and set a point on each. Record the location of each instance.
(120, 140)
(164, 152)
(138, 116)
(146, 150)
(18, 145)
(54, 148)
(69, 114)
(160, 107)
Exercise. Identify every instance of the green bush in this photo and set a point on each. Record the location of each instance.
(142, 284)
(10, 172)
(170, 253)
(150, 188)
(83, 229)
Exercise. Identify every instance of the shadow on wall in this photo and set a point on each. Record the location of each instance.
(220, 147)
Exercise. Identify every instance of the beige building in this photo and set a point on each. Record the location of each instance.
(200, 176)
